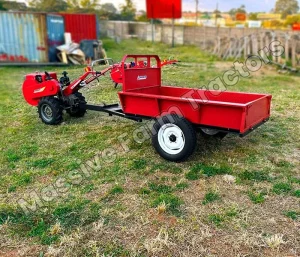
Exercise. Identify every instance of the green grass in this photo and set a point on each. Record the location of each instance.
(139, 164)
(38, 225)
(172, 202)
(160, 188)
(282, 188)
(116, 190)
(200, 170)
(254, 176)
(210, 197)
(42, 163)
(181, 186)
(224, 216)
(257, 198)
(297, 193)
(126, 190)
(294, 215)
(144, 191)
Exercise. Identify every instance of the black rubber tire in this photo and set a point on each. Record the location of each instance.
(51, 104)
(188, 132)
(80, 110)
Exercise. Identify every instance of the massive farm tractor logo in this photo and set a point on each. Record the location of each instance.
(142, 78)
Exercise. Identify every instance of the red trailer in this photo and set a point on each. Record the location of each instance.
(178, 112)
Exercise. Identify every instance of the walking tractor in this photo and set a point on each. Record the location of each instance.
(178, 112)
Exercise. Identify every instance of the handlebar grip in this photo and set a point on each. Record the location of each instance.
(48, 77)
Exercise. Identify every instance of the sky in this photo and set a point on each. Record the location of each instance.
(204, 5)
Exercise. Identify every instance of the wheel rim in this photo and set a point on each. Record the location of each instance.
(46, 112)
(171, 139)
(210, 132)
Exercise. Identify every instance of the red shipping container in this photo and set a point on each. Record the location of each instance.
(159, 9)
(81, 26)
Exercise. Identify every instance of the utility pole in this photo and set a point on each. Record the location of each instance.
(197, 4)
(217, 12)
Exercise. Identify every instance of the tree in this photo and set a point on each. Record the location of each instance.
(286, 7)
(85, 6)
(2, 8)
(108, 11)
(109, 8)
(292, 19)
(128, 11)
(12, 6)
(48, 5)
(89, 5)
(253, 16)
(234, 11)
(143, 18)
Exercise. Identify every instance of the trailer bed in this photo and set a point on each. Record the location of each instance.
(227, 111)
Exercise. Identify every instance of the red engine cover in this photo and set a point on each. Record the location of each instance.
(35, 88)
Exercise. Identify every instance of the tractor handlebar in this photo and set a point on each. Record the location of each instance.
(108, 61)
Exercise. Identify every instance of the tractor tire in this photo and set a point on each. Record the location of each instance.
(174, 138)
(50, 111)
(211, 133)
(78, 111)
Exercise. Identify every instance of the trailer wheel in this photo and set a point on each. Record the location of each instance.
(174, 138)
(208, 133)
(80, 110)
(50, 111)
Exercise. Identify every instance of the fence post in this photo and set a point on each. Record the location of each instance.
(287, 50)
(294, 61)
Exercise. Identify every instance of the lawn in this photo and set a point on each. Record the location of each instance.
(233, 197)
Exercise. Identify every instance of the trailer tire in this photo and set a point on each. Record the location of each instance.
(174, 138)
(50, 111)
(78, 111)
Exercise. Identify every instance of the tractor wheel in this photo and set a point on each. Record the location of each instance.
(174, 138)
(80, 110)
(50, 111)
(208, 133)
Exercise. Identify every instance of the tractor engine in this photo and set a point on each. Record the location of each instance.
(39, 85)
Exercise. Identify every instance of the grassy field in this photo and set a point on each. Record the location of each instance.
(235, 197)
